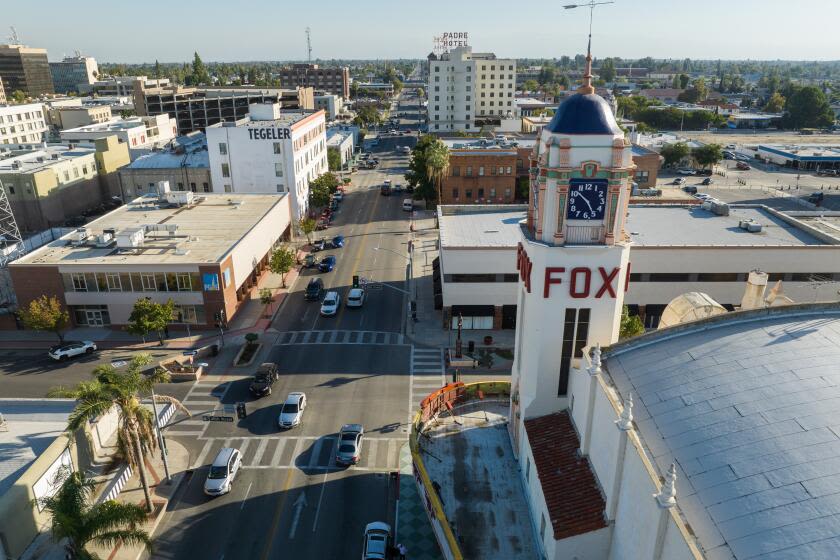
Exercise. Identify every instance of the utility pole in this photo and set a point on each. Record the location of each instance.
(308, 46)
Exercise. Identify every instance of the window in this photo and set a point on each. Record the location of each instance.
(76, 172)
(469, 194)
(507, 170)
(205, 187)
(492, 170)
(455, 194)
(225, 170)
(480, 193)
(223, 148)
(183, 279)
(719, 277)
(575, 333)
(278, 148)
(528, 469)
(507, 193)
(492, 192)
(11, 190)
(79, 282)
(281, 188)
(469, 171)
(192, 187)
(542, 527)
(227, 188)
(147, 280)
(456, 171)
(180, 186)
(113, 282)
(669, 277)
(481, 171)
(278, 169)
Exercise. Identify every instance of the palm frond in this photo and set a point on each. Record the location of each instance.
(112, 515)
(174, 402)
(125, 536)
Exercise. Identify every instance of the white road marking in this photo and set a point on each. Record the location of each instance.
(316, 452)
(245, 498)
(278, 452)
(300, 503)
(320, 498)
(260, 451)
(203, 455)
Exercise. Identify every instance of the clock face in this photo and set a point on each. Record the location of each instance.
(587, 199)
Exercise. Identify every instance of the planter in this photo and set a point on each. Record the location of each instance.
(182, 372)
(247, 354)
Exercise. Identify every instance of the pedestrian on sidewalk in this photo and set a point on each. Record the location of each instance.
(402, 550)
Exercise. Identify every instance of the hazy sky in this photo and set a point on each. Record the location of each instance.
(231, 30)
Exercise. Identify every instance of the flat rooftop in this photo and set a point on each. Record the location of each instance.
(113, 125)
(489, 226)
(206, 231)
(194, 155)
(664, 226)
(40, 158)
(33, 424)
(831, 152)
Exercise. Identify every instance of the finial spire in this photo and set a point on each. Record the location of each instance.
(625, 421)
(586, 88)
(667, 495)
(595, 368)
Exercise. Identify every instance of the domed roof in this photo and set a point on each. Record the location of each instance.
(584, 114)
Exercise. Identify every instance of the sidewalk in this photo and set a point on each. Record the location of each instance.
(414, 529)
(428, 330)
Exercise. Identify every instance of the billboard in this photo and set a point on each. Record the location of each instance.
(450, 40)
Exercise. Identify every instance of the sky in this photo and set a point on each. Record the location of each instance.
(229, 30)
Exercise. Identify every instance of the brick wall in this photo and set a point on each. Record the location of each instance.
(648, 163)
(465, 183)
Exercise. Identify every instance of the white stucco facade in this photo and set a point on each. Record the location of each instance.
(270, 152)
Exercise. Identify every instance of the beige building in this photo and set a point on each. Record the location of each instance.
(63, 117)
(25, 69)
(48, 185)
(138, 133)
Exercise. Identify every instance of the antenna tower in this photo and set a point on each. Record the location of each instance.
(13, 38)
(308, 46)
(9, 232)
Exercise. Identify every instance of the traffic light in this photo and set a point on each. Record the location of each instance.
(217, 316)
(240, 410)
(355, 281)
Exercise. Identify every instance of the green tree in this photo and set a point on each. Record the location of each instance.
(607, 70)
(200, 75)
(282, 260)
(367, 115)
(674, 153)
(437, 164)
(307, 226)
(546, 75)
(630, 325)
(530, 85)
(18, 97)
(398, 85)
(683, 83)
(46, 314)
(157, 70)
(697, 92)
(328, 180)
(708, 154)
(421, 93)
(333, 159)
(523, 185)
(775, 104)
(76, 518)
(266, 298)
(150, 316)
(124, 389)
(807, 107)
(565, 82)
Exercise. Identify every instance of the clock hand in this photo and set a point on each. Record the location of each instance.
(586, 200)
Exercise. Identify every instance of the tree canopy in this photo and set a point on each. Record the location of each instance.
(150, 316)
(200, 75)
(422, 167)
(708, 154)
(333, 158)
(45, 314)
(807, 107)
(674, 153)
(282, 260)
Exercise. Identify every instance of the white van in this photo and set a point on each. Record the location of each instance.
(408, 204)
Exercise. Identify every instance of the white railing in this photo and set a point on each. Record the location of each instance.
(584, 235)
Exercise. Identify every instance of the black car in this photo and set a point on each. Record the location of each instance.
(314, 290)
(706, 181)
(267, 374)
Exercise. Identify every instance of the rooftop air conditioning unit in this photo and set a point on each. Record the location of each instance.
(130, 238)
(80, 235)
(180, 198)
(54, 156)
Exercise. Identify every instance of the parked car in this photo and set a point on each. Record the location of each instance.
(322, 224)
(349, 444)
(71, 349)
(377, 541)
(314, 290)
(291, 414)
(329, 307)
(355, 297)
(686, 171)
(743, 166)
(267, 374)
(310, 261)
(678, 181)
(337, 242)
(690, 189)
(327, 264)
(707, 181)
(319, 245)
(223, 472)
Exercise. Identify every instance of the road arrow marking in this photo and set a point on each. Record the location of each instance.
(299, 504)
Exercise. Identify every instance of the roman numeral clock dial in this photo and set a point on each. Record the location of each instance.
(587, 199)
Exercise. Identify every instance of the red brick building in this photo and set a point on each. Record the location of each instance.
(480, 176)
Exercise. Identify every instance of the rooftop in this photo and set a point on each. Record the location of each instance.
(491, 226)
(747, 409)
(668, 226)
(40, 158)
(33, 425)
(189, 151)
(572, 495)
(198, 237)
(114, 125)
(817, 151)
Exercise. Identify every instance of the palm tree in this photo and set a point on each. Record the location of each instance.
(124, 390)
(437, 164)
(80, 523)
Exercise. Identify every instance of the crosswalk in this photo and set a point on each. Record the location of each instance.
(203, 397)
(304, 453)
(427, 374)
(339, 337)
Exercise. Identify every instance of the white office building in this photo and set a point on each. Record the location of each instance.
(269, 151)
(469, 90)
(74, 72)
(22, 125)
(140, 133)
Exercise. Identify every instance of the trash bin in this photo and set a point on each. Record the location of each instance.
(214, 350)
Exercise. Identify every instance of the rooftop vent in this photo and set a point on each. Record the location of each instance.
(130, 238)
(79, 236)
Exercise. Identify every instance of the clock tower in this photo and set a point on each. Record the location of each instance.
(573, 253)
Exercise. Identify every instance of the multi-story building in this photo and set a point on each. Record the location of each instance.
(46, 186)
(197, 108)
(334, 79)
(331, 104)
(647, 164)
(25, 69)
(63, 117)
(269, 151)
(73, 72)
(138, 133)
(342, 141)
(185, 165)
(479, 174)
(121, 86)
(468, 91)
(205, 253)
(21, 125)
(2, 93)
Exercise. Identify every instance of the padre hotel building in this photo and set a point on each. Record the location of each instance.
(710, 439)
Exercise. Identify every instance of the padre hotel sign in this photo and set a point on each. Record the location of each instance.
(450, 40)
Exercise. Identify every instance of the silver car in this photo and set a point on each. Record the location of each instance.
(292, 412)
(222, 472)
(349, 444)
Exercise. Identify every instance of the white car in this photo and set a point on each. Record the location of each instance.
(406, 150)
(377, 541)
(355, 297)
(223, 471)
(291, 413)
(71, 349)
(329, 306)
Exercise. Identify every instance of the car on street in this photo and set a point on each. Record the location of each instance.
(743, 166)
(310, 261)
(329, 307)
(327, 264)
(355, 297)
(690, 189)
(337, 242)
(319, 245)
(72, 349)
(349, 444)
(686, 171)
(707, 181)
(314, 290)
(678, 181)
(291, 413)
(223, 471)
(377, 541)
(266, 376)
(405, 150)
